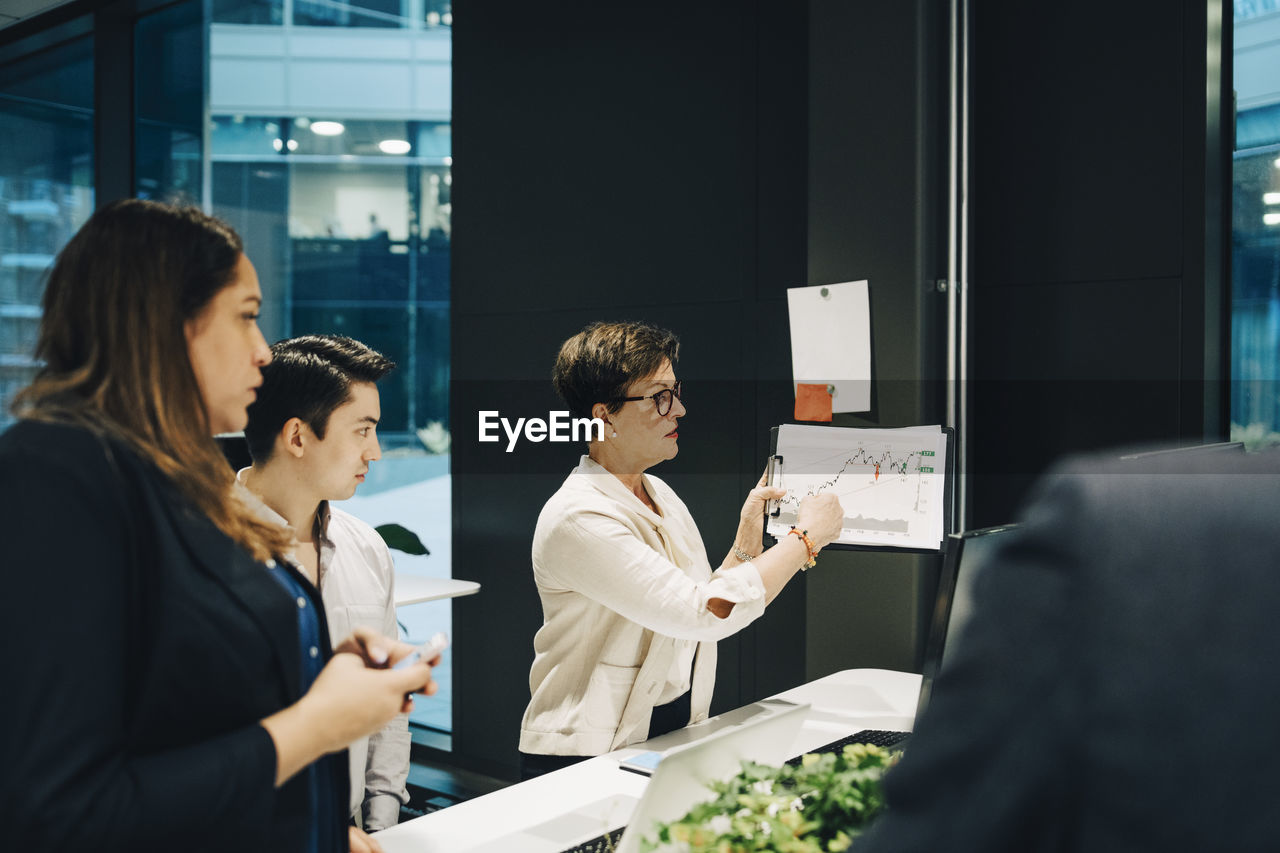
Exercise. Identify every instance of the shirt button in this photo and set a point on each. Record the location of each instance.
(302, 602)
(271, 564)
(315, 653)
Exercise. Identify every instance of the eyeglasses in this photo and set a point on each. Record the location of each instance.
(663, 399)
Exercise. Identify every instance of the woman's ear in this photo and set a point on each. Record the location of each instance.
(600, 412)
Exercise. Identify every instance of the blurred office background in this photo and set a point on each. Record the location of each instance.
(685, 163)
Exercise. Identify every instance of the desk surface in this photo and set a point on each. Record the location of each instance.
(841, 704)
(414, 589)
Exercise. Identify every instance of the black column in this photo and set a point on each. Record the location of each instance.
(1097, 228)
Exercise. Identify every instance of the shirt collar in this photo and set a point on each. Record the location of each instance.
(323, 514)
(608, 484)
(257, 504)
(263, 511)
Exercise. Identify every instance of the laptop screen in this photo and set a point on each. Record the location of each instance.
(966, 554)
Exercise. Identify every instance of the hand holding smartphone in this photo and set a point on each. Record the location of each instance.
(425, 652)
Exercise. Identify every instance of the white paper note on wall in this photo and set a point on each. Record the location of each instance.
(831, 341)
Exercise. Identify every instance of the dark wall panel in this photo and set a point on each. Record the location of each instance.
(876, 200)
(1068, 367)
(1077, 139)
(608, 156)
(610, 166)
(1095, 269)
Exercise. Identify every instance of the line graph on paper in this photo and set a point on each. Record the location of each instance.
(890, 482)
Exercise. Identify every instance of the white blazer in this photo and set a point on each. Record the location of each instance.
(624, 600)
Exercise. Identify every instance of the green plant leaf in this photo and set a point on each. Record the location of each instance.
(818, 807)
(402, 539)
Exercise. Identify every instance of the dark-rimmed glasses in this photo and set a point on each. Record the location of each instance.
(663, 399)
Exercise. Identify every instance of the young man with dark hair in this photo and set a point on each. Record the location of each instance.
(312, 434)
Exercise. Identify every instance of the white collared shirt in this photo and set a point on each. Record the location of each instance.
(357, 584)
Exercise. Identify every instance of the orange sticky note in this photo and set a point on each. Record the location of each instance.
(813, 403)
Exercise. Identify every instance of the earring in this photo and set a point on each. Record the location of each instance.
(615, 433)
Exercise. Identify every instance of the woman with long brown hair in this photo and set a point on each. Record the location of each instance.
(169, 680)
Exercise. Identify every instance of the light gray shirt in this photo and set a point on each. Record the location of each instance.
(357, 584)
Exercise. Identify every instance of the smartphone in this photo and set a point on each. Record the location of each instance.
(425, 652)
(644, 763)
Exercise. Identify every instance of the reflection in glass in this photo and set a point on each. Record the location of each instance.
(348, 238)
(1255, 227)
(170, 104)
(350, 13)
(353, 243)
(46, 191)
(1255, 293)
(248, 11)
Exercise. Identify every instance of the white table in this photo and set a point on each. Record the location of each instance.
(414, 589)
(841, 704)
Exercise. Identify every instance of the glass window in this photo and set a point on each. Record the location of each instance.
(439, 13)
(46, 190)
(351, 13)
(248, 11)
(344, 208)
(1246, 9)
(1255, 227)
(169, 102)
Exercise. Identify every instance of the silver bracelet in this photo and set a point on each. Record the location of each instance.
(742, 555)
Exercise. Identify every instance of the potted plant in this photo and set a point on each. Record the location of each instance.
(819, 806)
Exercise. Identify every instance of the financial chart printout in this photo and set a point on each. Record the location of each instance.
(890, 482)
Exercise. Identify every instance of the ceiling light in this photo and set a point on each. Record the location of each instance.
(292, 145)
(1271, 218)
(393, 146)
(277, 143)
(327, 128)
(1271, 198)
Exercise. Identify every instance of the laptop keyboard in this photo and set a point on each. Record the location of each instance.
(606, 843)
(875, 737)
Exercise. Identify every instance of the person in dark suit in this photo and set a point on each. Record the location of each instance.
(168, 685)
(1115, 687)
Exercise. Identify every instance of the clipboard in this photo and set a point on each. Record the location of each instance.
(776, 470)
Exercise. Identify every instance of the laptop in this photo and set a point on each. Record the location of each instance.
(677, 784)
(1190, 450)
(966, 554)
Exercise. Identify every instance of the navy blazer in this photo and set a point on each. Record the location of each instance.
(1115, 687)
(141, 648)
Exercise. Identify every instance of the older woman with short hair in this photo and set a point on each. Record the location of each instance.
(631, 606)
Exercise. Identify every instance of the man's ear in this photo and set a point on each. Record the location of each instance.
(293, 437)
(600, 411)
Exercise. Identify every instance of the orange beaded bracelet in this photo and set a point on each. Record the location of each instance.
(808, 543)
